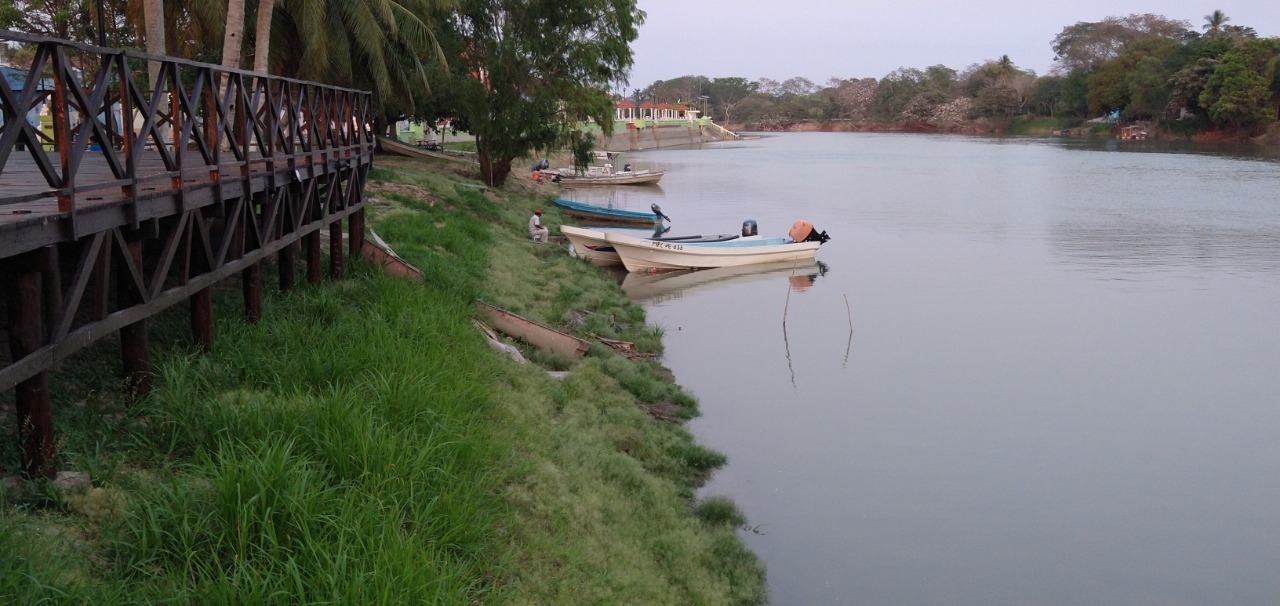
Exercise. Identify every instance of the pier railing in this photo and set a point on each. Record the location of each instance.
(79, 107)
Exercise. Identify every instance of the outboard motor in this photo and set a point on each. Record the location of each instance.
(657, 210)
(749, 228)
(804, 231)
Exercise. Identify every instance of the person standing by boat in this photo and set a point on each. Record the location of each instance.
(536, 230)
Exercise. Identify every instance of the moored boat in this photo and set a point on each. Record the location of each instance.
(591, 245)
(640, 254)
(602, 175)
(642, 177)
(592, 212)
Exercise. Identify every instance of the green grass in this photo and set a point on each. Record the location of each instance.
(362, 444)
(1023, 125)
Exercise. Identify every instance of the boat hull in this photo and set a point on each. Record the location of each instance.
(590, 245)
(641, 255)
(614, 179)
(609, 215)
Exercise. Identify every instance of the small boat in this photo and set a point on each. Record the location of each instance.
(602, 175)
(640, 177)
(640, 254)
(590, 244)
(669, 285)
(592, 212)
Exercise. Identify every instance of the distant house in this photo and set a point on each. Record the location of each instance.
(624, 111)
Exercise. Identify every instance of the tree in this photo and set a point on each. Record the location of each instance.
(1046, 95)
(851, 99)
(996, 102)
(233, 37)
(1089, 45)
(1111, 85)
(726, 93)
(1237, 94)
(1149, 94)
(386, 46)
(1271, 74)
(1186, 84)
(153, 17)
(10, 16)
(795, 87)
(895, 92)
(682, 89)
(262, 36)
(530, 72)
(1214, 22)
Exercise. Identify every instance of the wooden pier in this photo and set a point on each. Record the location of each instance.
(156, 178)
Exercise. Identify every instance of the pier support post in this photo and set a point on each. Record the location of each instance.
(287, 266)
(133, 338)
(336, 262)
(314, 262)
(251, 279)
(27, 335)
(355, 232)
(202, 319)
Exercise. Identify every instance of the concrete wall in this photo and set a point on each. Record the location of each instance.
(650, 135)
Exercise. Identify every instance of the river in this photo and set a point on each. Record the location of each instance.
(1026, 371)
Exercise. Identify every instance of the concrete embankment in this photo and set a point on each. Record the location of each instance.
(665, 135)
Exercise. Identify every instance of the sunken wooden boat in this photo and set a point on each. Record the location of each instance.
(531, 332)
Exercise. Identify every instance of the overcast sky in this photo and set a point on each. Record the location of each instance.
(821, 39)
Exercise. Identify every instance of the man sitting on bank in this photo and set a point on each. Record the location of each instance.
(536, 230)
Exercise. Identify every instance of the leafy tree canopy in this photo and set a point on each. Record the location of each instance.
(1089, 44)
(528, 73)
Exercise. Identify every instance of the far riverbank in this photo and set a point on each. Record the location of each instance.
(1039, 126)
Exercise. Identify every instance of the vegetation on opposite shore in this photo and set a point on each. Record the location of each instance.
(1221, 82)
(363, 445)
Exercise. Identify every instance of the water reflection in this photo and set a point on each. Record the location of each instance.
(621, 197)
(673, 285)
(1137, 247)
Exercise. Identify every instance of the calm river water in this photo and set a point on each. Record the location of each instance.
(1027, 371)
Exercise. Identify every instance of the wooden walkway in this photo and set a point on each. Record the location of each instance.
(102, 226)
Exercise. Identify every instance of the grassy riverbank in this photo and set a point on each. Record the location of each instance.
(363, 444)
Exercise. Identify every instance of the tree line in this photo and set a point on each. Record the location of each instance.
(1145, 67)
(520, 75)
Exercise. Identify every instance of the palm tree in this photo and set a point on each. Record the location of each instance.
(232, 37)
(1213, 23)
(1005, 69)
(153, 18)
(376, 45)
(262, 35)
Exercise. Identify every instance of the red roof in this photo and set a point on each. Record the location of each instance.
(624, 104)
